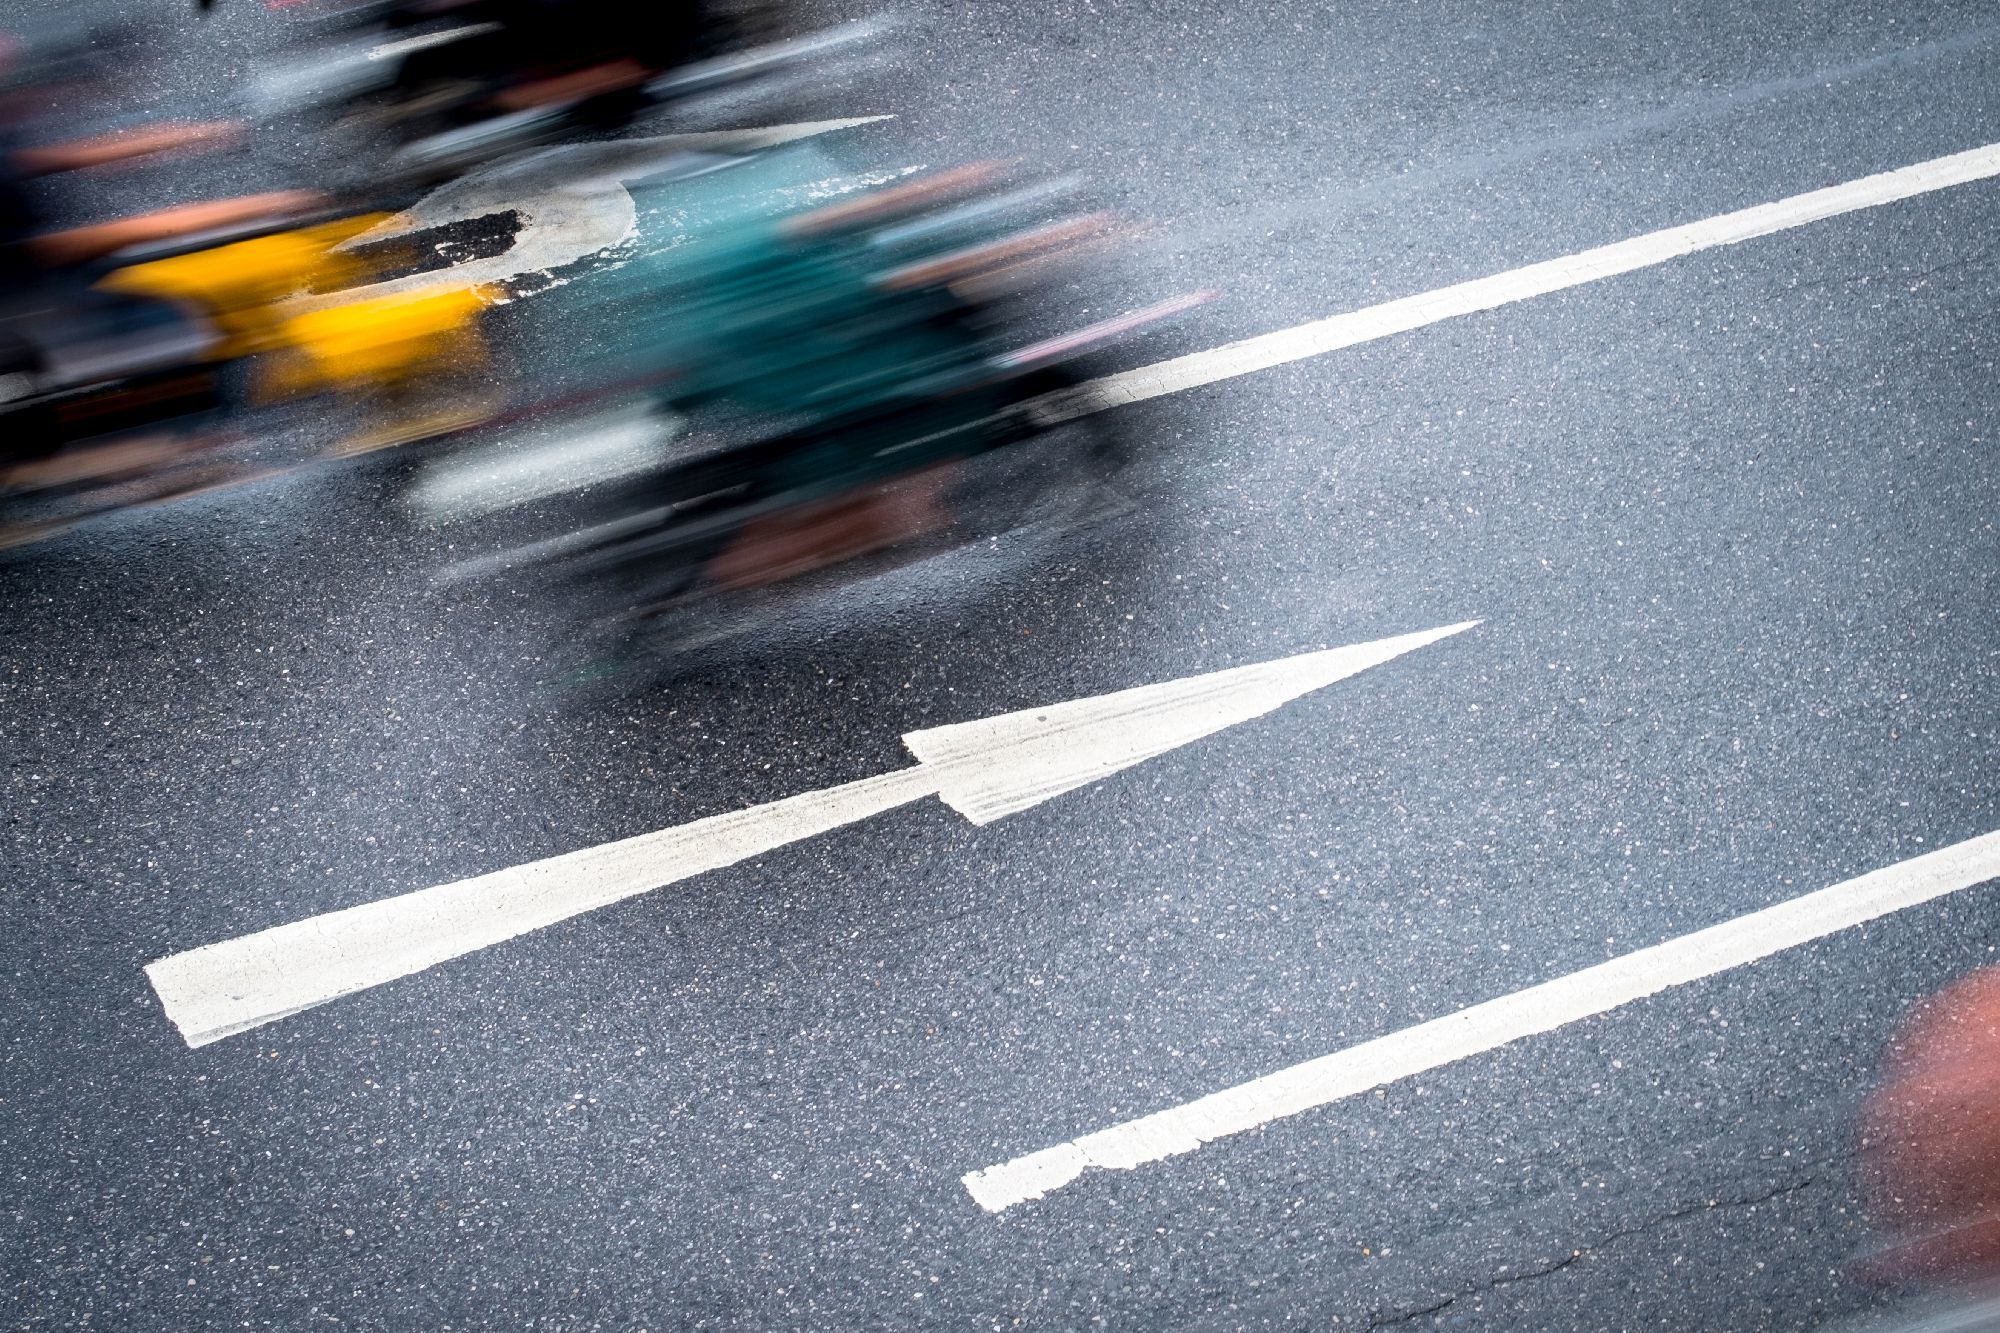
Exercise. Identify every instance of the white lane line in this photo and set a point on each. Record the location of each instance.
(1483, 1027)
(1465, 298)
(984, 769)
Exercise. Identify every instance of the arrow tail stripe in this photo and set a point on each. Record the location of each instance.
(221, 989)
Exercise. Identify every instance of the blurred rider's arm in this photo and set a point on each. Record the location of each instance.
(80, 244)
(123, 146)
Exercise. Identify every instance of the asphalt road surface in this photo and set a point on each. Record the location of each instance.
(1728, 524)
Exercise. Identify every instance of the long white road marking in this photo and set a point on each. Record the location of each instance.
(984, 769)
(1483, 1027)
(1465, 298)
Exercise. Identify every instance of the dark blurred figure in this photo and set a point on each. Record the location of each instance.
(421, 90)
(857, 384)
(93, 383)
(71, 71)
(525, 53)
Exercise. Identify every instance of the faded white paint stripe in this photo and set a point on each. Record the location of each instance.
(224, 988)
(1412, 312)
(1483, 1027)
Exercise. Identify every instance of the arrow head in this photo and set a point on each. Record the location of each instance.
(999, 765)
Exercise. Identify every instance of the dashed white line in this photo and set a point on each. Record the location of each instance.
(1495, 1023)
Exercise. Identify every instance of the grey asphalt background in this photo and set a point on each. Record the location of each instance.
(1730, 525)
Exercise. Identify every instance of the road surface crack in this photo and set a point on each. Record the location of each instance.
(1405, 1316)
(1610, 1237)
(1915, 279)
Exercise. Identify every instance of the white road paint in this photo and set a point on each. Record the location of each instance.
(1495, 1023)
(999, 765)
(1465, 298)
(243, 983)
(986, 769)
(572, 201)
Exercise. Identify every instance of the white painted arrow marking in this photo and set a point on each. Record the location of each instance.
(985, 769)
(1487, 1026)
(999, 765)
